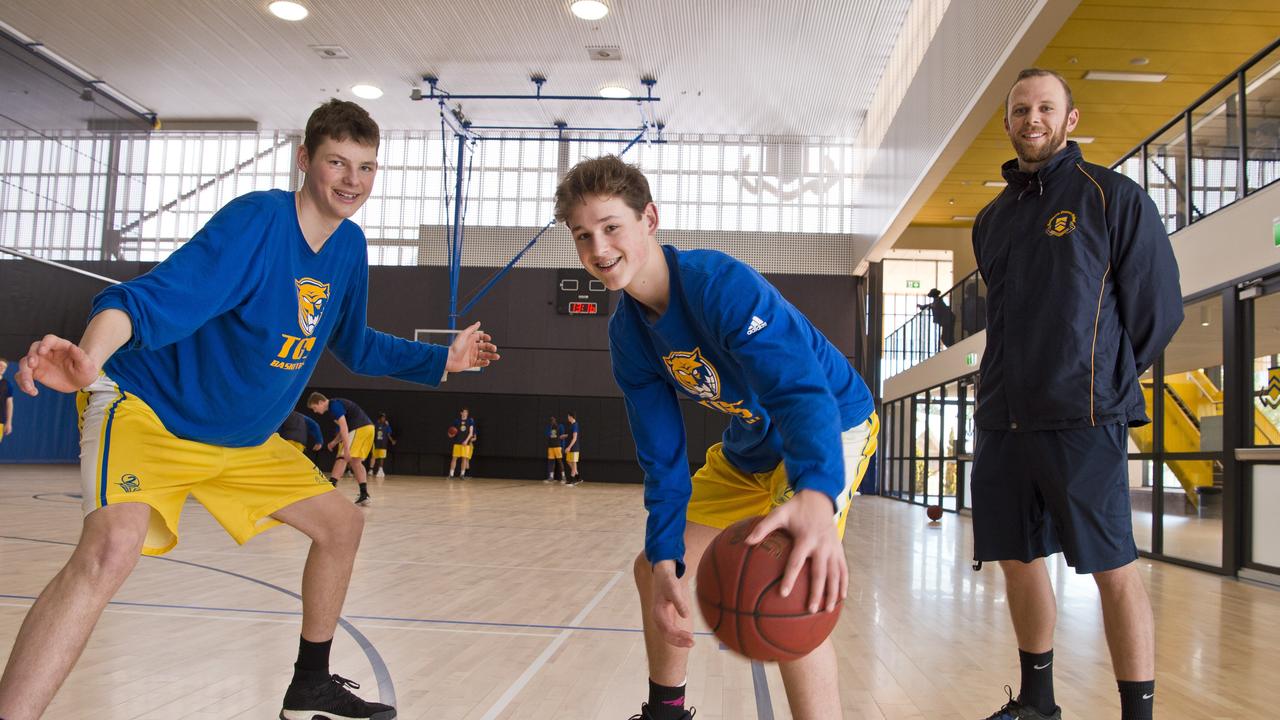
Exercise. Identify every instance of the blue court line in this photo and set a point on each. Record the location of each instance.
(383, 618)
(386, 688)
(764, 704)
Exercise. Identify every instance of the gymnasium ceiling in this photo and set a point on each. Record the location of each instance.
(1195, 43)
(723, 66)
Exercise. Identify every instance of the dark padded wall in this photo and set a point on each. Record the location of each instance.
(551, 363)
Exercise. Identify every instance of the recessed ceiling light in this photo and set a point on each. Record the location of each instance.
(964, 218)
(1083, 139)
(1125, 76)
(589, 9)
(994, 183)
(614, 92)
(1138, 61)
(368, 92)
(286, 10)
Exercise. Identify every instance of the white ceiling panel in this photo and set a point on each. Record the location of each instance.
(808, 67)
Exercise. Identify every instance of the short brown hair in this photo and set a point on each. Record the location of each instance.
(1040, 72)
(315, 399)
(340, 120)
(608, 176)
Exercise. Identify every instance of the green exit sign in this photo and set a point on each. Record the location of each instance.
(915, 284)
(971, 359)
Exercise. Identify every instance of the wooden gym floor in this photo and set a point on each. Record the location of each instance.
(491, 599)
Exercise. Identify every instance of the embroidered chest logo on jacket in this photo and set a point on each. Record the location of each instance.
(313, 298)
(1062, 223)
(699, 378)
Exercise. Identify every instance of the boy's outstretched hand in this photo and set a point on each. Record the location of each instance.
(471, 348)
(809, 517)
(56, 363)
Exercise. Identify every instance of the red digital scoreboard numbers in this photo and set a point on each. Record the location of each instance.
(580, 295)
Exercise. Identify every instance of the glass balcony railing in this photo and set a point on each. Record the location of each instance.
(1223, 147)
(943, 322)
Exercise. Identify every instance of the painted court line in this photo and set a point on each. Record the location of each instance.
(359, 561)
(386, 687)
(550, 650)
(764, 704)
(247, 618)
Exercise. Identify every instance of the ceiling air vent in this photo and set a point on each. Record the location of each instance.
(604, 52)
(330, 52)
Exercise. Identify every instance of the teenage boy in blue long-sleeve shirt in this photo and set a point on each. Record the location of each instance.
(184, 375)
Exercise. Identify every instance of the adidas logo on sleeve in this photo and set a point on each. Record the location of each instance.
(756, 326)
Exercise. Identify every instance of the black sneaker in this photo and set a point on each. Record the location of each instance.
(1014, 710)
(331, 700)
(644, 713)
(362, 500)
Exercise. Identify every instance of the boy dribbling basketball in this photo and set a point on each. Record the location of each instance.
(706, 326)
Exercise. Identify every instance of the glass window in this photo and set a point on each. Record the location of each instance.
(1192, 519)
(1262, 143)
(1140, 501)
(1193, 381)
(1166, 175)
(1266, 370)
(1191, 474)
(1215, 152)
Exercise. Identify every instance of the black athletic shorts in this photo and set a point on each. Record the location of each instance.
(1038, 493)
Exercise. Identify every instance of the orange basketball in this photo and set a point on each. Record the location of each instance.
(453, 431)
(934, 512)
(739, 597)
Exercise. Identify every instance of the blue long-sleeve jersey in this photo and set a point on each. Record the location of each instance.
(730, 340)
(227, 331)
(314, 436)
(301, 429)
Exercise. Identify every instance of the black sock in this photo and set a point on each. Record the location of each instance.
(1137, 699)
(665, 703)
(1037, 681)
(333, 481)
(312, 666)
(364, 489)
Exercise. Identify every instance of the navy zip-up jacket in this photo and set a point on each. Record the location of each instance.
(1082, 297)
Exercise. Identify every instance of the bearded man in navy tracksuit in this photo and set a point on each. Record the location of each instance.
(1082, 298)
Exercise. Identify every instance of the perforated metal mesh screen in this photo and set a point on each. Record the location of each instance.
(785, 205)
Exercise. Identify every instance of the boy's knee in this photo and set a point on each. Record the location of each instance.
(341, 524)
(107, 557)
(351, 523)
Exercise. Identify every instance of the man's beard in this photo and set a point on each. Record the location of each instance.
(1029, 154)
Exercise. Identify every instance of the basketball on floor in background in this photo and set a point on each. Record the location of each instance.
(935, 513)
(740, 600)
(453, 431)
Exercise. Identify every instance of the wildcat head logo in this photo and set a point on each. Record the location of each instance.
(313, 295)
(129, 483)
(1062, 223)
(694, 373)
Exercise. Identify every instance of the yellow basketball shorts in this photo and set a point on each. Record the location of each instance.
(127, 455)
(361, 442)
(555, 453)
(463, 451)
(379, 453)
(1, 432)
(723, 494)
(571, 456)
(296, 444)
